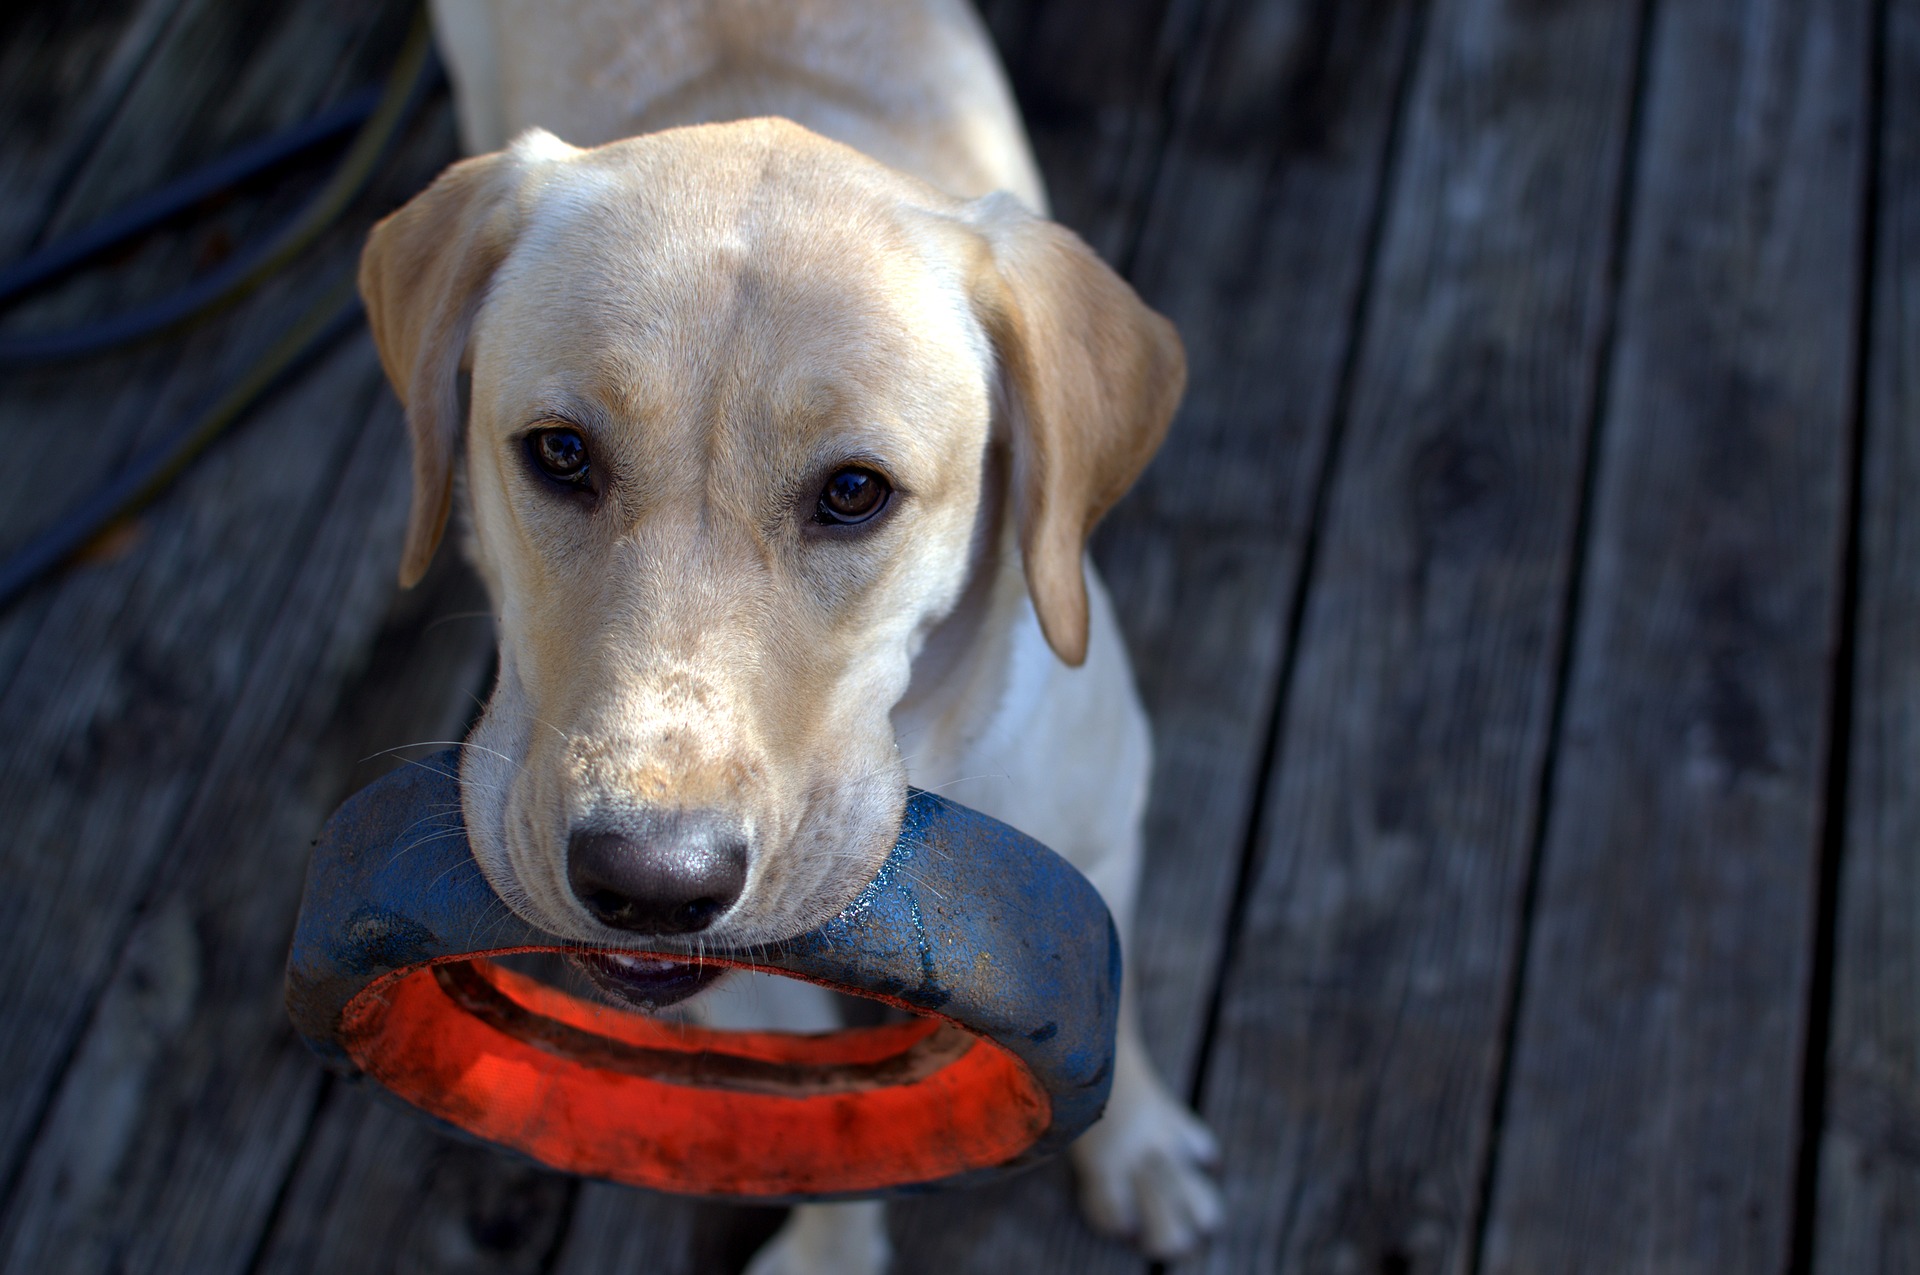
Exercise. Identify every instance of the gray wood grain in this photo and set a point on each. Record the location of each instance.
(371, 1185)
(1354, 1070)
(90, 839)
(64, 72)
(121, 695)
(128, 681)
(1095, 85)
(223, 73)
(1869, 1186)
(1257, 247)
(1655, 1084)
(183, 106)
(617, 1229)
(214, 1097)
(211, 1095)
(1255, 244)
(380, 1191)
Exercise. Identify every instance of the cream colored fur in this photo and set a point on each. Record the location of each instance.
(727, 311)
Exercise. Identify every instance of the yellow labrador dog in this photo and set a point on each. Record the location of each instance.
(783, 414)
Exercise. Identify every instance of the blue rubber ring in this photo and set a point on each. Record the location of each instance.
(967, 920)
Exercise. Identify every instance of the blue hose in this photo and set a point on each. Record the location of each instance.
(413, 75)
(380, 117)
(65, 255)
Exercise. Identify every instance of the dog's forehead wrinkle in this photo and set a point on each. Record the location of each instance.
(644, 328)
(675, 227)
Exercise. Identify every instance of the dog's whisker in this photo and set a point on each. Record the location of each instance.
(453, 616)
(438, 743)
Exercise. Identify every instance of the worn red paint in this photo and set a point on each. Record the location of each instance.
(979, 1109)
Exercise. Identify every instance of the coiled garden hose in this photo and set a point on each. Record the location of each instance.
(406, 84)
(414, 74)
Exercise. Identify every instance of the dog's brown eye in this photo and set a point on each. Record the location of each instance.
(562, 453)
(852, 495)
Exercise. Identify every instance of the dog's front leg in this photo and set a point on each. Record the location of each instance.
(1141, 1169)
(828, 1239)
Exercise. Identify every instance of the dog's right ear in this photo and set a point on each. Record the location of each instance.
(423, 276)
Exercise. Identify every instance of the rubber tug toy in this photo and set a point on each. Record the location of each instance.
(1002, 952)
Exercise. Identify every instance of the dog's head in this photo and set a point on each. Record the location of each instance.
(736, 397)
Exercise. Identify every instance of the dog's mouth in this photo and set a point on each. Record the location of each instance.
(645, 982)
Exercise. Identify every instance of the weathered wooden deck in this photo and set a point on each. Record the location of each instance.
(1528, 603)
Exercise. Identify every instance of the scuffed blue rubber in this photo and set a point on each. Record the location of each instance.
(967, 919)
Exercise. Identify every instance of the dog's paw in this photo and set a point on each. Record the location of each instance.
(827, 1239)
(1142, 1172)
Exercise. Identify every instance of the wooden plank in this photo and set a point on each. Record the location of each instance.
(1256, 246)
(1869, 1157)
(87, 841)
(229, 72)
(64, 71)
(119, 698)
(209, 1091)
(116, 400)
(1354, 1070)
(188, 105)
(212, 1095)
(1280, 173)
(182, 107)
(615, 1229)
(380, 1191)
(1651, 1122)
(125, 688)
(1095, 88)
(414, 687)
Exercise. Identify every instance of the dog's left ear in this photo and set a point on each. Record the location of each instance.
(1091, 378)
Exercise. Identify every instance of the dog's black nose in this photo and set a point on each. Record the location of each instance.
(672, 876)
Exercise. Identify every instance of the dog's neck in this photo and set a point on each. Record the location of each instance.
(979, 672)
